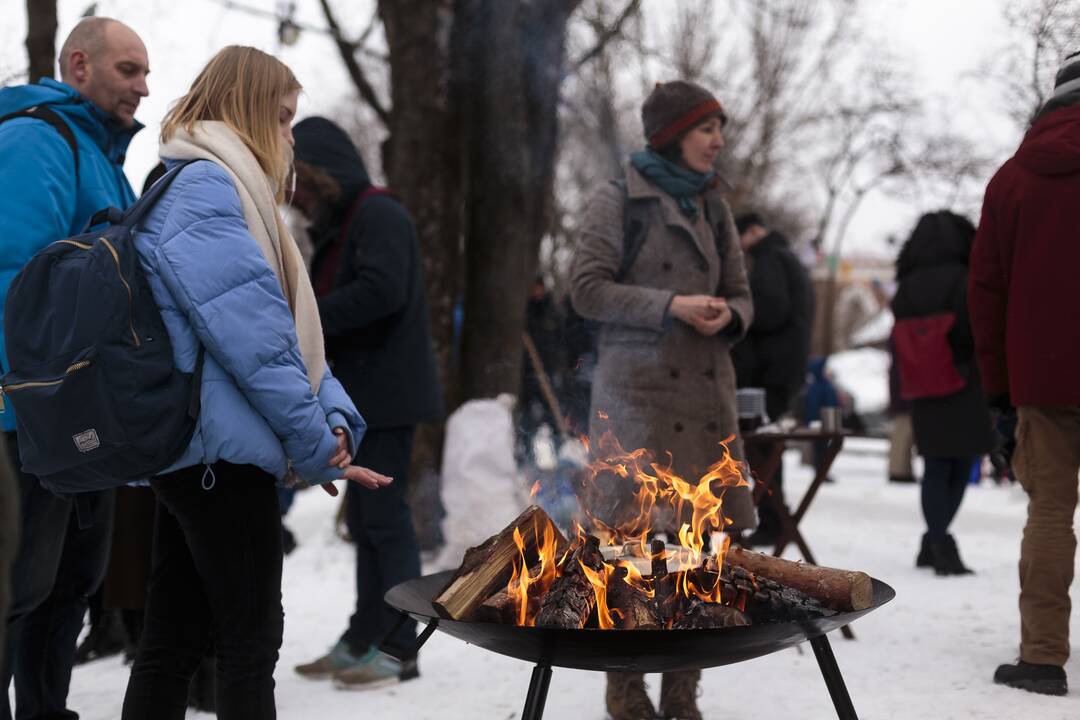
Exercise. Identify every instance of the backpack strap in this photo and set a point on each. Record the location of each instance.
(635, 221)
(46, 114)
(134, 214)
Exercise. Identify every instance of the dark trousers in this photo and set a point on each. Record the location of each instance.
(60, 562)
(387, 553)
(777, 402)
(943, 486)
(216, 577)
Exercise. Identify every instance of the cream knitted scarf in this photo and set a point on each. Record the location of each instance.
(215, 141)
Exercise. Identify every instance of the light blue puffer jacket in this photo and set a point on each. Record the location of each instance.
(216, 290)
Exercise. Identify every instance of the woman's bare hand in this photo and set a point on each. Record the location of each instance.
(341, 457)
(361, 476)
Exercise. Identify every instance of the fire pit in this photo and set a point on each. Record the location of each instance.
(617, 597)
(630, 650)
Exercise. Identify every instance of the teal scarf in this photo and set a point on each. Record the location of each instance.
(678, 182)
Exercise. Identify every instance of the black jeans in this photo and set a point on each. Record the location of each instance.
(381, 526)
(943, 486)
(59, 564)
(777, 402)
(216, 577)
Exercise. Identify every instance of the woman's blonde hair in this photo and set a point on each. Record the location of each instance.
(243, 88)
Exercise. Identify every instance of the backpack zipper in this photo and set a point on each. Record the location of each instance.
(116, 259)
(7, 389)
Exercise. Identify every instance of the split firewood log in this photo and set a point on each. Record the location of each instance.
(571, 598)
(487, 568)
(841, 590)
(636, 611)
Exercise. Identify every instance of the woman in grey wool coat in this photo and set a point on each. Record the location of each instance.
(664, 377)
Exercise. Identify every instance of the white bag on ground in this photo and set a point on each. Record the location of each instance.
(481, 490)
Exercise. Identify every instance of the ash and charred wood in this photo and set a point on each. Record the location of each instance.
(487, 568)
(571, 598)
(701, 615)
(842, 590)
(636, 609)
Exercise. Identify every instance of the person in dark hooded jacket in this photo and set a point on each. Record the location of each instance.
(774, 353)
(368, 279)
(951, 430)
(1023, 294)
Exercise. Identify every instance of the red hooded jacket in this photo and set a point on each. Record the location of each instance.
(1024, 282)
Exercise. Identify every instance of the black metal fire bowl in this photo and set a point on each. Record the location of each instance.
(628, 650)
(647, 651)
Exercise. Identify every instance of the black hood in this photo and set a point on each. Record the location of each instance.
(939, 238)
(322, 143)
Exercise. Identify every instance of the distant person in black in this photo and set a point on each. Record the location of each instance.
(544, 326)
(774, 354)
(368, 278)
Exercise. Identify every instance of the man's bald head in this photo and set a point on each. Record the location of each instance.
(106, 62)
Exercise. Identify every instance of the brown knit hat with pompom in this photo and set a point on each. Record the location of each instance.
(673, 108)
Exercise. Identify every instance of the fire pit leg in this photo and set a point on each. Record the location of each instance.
(538, 690)
(833, 679)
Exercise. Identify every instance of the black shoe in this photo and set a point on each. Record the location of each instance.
(106, 638)
(288, 540)
(1043, 679)
(925, 558)
(906, 479)
(947, 557)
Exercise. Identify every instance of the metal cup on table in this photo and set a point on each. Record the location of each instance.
(830, 420)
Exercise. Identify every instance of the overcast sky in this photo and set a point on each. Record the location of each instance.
(942, 42)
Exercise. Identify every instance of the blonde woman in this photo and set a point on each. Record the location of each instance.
(230, 282)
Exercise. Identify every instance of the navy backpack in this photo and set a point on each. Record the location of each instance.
(98, 401)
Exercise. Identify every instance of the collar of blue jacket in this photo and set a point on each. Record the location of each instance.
(86, 118)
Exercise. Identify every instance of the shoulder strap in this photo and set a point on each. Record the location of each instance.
(635, 221)
(134, 214)
(42, 112)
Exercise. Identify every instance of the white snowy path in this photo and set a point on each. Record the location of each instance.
(928, 655)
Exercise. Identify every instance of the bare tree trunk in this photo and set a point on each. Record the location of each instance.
(515, 52)
(41, 38)
(424, 166)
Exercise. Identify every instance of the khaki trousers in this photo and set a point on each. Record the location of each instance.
(901, 444)
(1046, 462)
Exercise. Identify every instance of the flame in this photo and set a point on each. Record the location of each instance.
(521, 580)
(535, 489)
(599, 584)
(657, 494)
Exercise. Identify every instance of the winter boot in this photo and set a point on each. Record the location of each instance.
(339, 658)
(626, 697)
(678, 695)
(947, 557)
(925, 558)
(1044, 679)
(377, 669)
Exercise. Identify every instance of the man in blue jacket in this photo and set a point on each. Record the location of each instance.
(62, 147)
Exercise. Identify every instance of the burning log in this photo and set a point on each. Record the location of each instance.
(636, 611)
(701, 615)
(769, 601)
(487, 568)
(571, 598)
(842, 590)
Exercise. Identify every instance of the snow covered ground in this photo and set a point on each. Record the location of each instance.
(927, 655)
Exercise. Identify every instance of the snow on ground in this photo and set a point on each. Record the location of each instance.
(928, 655)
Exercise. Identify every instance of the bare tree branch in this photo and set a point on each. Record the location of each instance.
(615, 31)
(348, 56)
